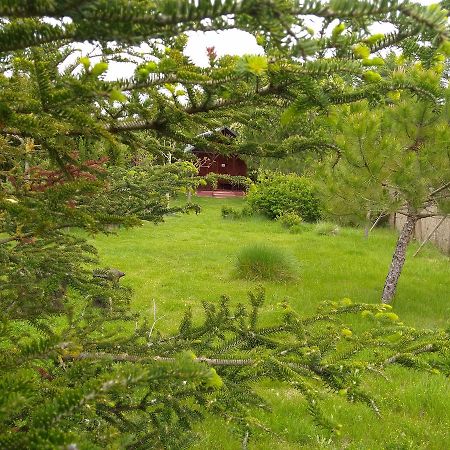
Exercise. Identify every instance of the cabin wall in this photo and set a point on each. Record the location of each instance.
(220, 164)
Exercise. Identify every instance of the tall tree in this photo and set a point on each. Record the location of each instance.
(393, 157)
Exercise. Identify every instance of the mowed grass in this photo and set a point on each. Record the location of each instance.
(191, 258)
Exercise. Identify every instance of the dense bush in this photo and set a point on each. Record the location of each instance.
(276, 194)
(262, 262)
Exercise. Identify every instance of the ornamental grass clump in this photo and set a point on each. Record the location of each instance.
(327, 229)
(262, 262)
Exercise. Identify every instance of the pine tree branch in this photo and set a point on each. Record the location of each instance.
(122, 357)
(125, 357)
(161, 79)
(411, 10)
(156, 124)
(391, 39)
(35, 8)
(425, 349)
(18, 237)
(152, 22)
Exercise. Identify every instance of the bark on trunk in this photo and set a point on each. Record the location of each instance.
(398, 260)
(367, 227)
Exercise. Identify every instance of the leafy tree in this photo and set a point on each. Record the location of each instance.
(394, 157)
(74, 372)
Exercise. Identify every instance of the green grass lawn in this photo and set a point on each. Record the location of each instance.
(191, 258)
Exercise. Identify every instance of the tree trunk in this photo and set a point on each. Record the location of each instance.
(398, 259)
(368, 223)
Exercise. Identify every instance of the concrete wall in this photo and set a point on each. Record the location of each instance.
(441, 237)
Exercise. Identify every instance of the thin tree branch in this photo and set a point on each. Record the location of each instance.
(429, 235)
(134, 358)
(442, 188)
(425, 349)
(18, 237)
(383, 214)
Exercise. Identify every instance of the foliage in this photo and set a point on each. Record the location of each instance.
(147, 189)
(263, 262)
(230, 213)
(42, 262)
(293, 222)
(394, 157)
(276, 194)
(134, 391)
(212, 179)
(68, 380)
(297, 229)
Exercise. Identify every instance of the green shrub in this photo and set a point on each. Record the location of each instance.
(276, 194)
(262, 262)
(289, 219)
(327, 229)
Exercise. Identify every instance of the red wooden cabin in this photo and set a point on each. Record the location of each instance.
(210, 162)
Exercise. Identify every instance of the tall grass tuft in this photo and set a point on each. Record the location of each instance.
(262, 262)
(327, 229)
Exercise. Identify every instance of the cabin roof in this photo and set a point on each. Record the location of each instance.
(223, 130)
